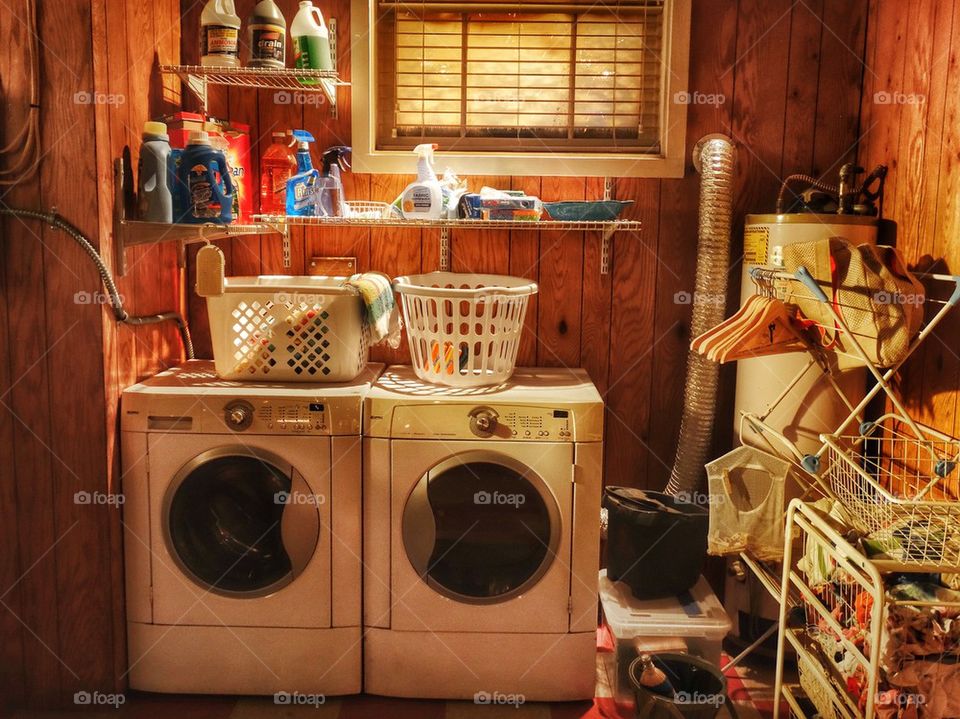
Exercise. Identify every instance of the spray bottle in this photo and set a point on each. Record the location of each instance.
(423, 199)
(304, 187)
(332, 200)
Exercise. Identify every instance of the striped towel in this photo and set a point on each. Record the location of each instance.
(383, 317)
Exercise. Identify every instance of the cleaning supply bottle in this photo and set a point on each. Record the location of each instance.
(219, 34)
(423, 199)
(153, 183)
(332, 200)
(311, 41)
(653, 678)
(277, 166)
(267, 29)
(204, 182)
(304, 187)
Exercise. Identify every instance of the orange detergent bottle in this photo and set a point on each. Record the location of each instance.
(277, 165)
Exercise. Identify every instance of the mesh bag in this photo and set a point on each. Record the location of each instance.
(870, 288)
(746, 503)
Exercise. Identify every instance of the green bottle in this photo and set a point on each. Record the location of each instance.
(311, 41)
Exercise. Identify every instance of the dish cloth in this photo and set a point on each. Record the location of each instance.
(383, 317)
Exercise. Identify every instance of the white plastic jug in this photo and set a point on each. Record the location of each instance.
(311, 39)
(219, 34)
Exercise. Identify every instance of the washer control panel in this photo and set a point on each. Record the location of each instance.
(277, 416)
(501, 422)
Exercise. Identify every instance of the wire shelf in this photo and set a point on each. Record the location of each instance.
(285, 80)
(457, 224)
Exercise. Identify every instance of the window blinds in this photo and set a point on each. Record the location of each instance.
(536, 76)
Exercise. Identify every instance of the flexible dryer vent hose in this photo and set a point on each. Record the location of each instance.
(713, 158)
(113, 295)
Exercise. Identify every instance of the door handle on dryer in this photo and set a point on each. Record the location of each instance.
(419, 528)
(300, 523)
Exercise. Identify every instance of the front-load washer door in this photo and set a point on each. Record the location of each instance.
(481, 536)
(240, 532)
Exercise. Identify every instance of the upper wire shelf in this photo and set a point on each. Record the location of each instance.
(198, 78)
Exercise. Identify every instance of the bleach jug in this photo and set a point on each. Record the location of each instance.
(311, 41)
(268, 36)
(204, 182)
(153, 182)
(219, 34)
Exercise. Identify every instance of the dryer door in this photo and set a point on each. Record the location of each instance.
(485, 537)
(236, 531)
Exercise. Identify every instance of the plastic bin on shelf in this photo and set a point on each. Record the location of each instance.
(288, 329)
(464, 329)
(693, 621)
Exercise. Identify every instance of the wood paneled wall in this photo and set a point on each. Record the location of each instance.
(63, 361)
(786, 77)
(911, 122)
(790, 80)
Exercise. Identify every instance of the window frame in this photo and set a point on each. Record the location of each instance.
(669, 162)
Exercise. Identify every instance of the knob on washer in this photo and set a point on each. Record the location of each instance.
(238, 415)
(483, 421)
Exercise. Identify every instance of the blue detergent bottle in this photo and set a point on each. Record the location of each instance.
(303, 189)
(204, 183)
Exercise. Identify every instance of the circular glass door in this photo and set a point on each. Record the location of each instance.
(231, 526)
(481, 528)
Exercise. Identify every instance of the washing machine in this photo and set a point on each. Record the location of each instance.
(481, 537)
(242, 533)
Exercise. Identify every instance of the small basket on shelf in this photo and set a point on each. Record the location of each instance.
(464, 329)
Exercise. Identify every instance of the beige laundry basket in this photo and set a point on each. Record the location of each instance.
(288, 329)
(464, 329)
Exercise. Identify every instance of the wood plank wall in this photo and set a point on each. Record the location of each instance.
(64, 360)
(911, 122)
(790, 78)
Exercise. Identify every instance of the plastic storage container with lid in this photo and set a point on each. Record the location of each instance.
(694, 619)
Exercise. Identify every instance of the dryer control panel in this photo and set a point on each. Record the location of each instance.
(492, 421)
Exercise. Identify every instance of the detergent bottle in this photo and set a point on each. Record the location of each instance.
(304, 187)
(311, 41)
(204, 182)
(277, 166)
(332, 200)
(153, 182)
(268, 36)
(219, 34)
(423, 199)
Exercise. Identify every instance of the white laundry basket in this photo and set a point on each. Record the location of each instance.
(464, 329)
(288, 329)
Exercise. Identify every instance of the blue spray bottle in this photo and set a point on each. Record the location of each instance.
(303, 189)
(204, 183)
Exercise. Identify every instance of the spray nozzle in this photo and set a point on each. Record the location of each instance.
(302, 139)
(426, 150)
(336, 155)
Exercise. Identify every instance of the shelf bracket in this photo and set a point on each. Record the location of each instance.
(329, 86)
(605, 238)
(444, 249)
(198, 86)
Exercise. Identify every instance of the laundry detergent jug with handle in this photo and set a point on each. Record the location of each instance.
(219, 34)
(153, 182)
(204, 183)
(311, 40)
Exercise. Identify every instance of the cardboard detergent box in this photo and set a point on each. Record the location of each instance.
(233, 139)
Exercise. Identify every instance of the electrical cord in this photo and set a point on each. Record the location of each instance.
(116, 302)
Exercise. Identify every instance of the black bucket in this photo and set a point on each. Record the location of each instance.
(701, 689)
(655, 543)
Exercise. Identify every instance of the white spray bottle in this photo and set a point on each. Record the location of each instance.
(423, 199)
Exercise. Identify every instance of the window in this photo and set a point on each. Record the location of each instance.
(581, 87)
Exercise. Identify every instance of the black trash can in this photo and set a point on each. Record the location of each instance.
(655, 543)
(701, 689)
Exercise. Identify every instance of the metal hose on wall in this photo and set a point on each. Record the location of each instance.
(713, 158)
(116, 302)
